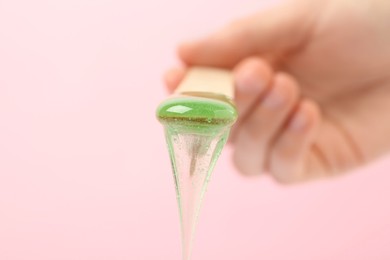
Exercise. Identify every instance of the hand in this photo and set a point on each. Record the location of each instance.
(312, 85)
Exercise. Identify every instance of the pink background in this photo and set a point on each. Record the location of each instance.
(84, 173)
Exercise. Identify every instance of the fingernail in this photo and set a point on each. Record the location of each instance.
(274, 100)
(299, 122)
(248, 83)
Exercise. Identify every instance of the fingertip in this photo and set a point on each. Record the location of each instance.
(183, 51)
(287, 82)
(282, 95)
(187, 51)
(245, 165)
(252, 79)
(291, 149)
(217, 49)
(173, 77)
(306, 117)
(252, 76)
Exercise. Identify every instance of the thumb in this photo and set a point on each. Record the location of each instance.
(271, 33)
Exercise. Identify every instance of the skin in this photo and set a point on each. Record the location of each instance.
(312, 85)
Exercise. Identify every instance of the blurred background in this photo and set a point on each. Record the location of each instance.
(84, 171)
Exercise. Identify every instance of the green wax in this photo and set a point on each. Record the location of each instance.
(197, 114)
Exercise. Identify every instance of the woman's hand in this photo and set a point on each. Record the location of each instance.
(312, 85)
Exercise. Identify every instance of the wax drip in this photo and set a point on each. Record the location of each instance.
(196, 130)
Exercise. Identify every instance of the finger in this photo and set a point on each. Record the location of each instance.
(293, 157)
(252, 79)
(277, 31)
(262, 125)
(173, 77)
